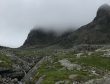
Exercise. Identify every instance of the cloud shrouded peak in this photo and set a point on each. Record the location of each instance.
(104, 7)
(18, 17)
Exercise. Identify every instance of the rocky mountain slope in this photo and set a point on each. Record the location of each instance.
(96, 32)
(39, 38)
(41, 64)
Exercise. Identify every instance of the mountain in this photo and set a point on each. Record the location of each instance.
(96, 32)
(41, 38)
(3, 47)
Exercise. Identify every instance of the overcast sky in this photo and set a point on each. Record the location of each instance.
(18, 17)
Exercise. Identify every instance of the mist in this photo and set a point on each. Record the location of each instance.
(18, 17)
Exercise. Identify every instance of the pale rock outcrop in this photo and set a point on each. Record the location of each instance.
(68, 65)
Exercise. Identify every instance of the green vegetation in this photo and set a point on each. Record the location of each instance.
(32, 52)
(95, 61)
(55, 72)
(5, 61)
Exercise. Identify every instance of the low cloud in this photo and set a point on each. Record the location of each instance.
(18, 17)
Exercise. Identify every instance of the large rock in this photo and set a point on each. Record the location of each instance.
(68, 65)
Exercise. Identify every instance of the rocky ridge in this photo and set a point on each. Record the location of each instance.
(96, 32)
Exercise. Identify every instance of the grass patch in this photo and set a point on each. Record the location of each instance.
(5, 61)
(95, 61)
(32, 52)
(54, 72)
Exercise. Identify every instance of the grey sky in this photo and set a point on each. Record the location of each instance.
(17, 17)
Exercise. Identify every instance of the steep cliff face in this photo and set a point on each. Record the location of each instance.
(96, 32)
(41, 38)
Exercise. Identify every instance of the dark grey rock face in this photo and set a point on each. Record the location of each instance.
(96, 32)
(103, 15)
(40, 38)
